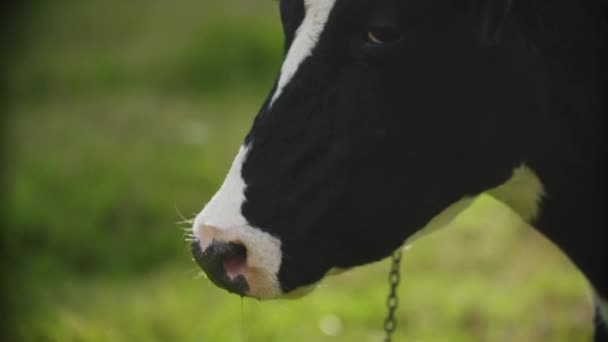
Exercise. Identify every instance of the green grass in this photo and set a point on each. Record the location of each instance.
(126, 116)
(466, 283)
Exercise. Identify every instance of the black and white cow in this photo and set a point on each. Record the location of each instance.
(387, 112)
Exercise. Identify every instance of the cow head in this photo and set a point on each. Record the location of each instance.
(384, 113)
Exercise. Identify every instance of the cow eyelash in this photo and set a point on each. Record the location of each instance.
(382, 36)
(371, 38)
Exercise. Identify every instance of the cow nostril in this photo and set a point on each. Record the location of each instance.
(235, 261)
(224, 263)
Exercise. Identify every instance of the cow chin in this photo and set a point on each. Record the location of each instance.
(299, 292)
(303, 291)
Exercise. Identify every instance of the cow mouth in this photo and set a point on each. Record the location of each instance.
(224, 264)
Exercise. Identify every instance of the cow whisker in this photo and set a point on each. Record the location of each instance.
(184, 220)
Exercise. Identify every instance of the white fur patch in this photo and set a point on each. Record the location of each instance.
(222, 220)
(224, 209)
(306, 38)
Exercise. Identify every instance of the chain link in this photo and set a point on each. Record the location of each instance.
(392, 301)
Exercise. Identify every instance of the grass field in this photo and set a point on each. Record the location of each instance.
(125, 118)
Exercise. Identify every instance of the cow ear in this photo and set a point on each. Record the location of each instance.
(492, 16)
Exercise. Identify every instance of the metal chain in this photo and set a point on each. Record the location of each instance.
(392, 301)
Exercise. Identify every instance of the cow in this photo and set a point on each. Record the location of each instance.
(388, 113)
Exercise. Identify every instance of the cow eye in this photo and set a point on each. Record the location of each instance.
(382, 36)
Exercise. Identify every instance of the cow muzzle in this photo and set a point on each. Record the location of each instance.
(224, 263)
(242, 260)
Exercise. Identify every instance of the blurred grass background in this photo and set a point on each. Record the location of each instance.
(125, 115)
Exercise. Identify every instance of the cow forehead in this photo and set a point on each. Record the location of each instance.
(305, 41)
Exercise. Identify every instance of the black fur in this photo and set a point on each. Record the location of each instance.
(368, 143)
(601, 327)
